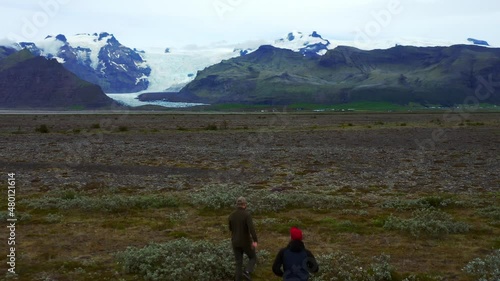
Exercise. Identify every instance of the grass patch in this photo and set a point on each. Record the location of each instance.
(354, 106)
(496, 243)
(228, 107)
(283, 227)
(178, 234)
(340, 225)
(119, 224)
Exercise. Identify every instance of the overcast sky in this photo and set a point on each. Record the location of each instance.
(164, 23)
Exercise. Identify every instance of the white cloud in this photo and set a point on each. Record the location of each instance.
(50, 45)
(202, 22)
(8, 43)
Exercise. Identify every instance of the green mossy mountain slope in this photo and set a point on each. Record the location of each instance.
(433, 75)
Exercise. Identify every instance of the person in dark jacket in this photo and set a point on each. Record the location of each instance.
(297, 262)
(243, 238)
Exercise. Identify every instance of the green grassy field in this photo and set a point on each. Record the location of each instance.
(362, 107)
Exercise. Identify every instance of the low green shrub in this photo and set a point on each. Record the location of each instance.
(224, 125)
(20, 216)
(411, 204)
(179, 216)
(53, 218)
(211, 127)
(261, 201)
(427, 222)
(267, 222)
(492, 212)
(180, 128)
(122, 128)
(485, 269)
(217, 196)
(279, 201)
(347, 267)
(42, 129)
(107, 203)
(182, 260)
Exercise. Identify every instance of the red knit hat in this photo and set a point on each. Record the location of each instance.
(296, 233)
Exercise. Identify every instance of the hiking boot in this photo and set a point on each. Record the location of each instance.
(247, 276)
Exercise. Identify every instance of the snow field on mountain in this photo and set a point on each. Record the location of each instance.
(89, 42)
(179, 67)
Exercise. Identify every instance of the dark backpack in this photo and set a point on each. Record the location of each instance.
(295, 266)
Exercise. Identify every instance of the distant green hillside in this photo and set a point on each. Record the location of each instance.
(15, 58)
(400, 75)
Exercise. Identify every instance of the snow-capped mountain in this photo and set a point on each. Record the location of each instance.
(97, 58)
(173, 69)
(309, 45)
(101, 59)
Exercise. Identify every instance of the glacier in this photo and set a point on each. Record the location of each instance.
(171, 71)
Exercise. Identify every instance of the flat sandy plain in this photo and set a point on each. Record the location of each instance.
(379, 165)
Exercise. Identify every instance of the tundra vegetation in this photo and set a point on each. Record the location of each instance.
(376, 200)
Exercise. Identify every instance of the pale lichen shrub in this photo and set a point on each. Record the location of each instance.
(348, 267)
(485, 269)
(427, 222)
(181, 260)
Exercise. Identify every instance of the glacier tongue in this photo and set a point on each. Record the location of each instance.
(179, 67)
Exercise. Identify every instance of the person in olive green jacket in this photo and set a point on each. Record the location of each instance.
(243, 238)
